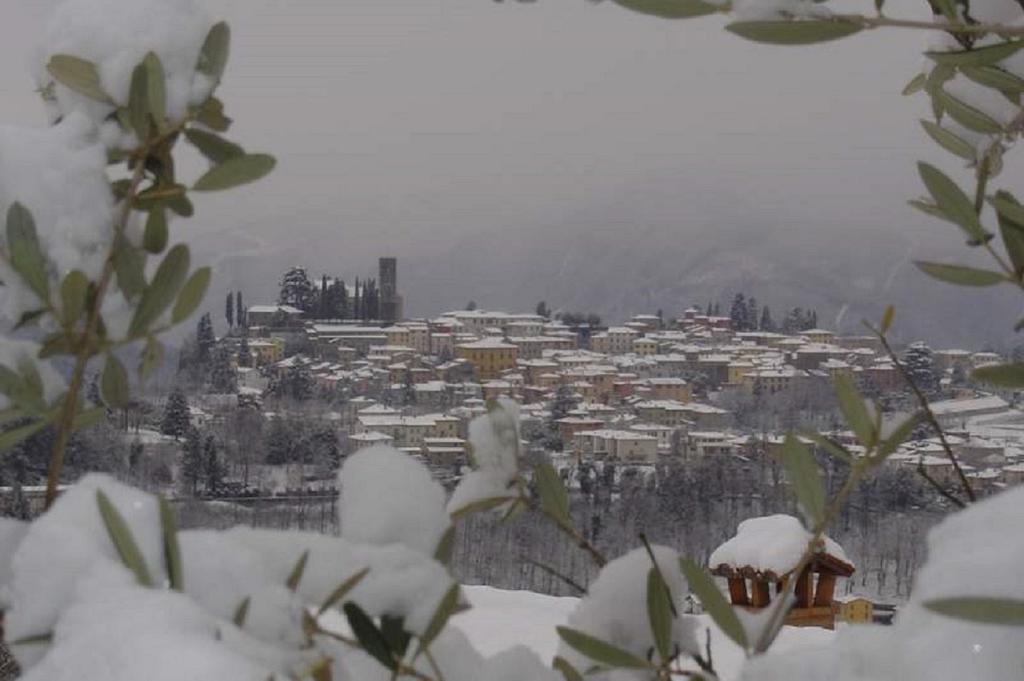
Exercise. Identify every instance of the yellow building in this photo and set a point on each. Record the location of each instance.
(489, 357)
(645, 346)
(413, 335)
(267, 350)
(670, 389)
(855, 609)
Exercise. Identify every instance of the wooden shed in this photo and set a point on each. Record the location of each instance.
(760, 560)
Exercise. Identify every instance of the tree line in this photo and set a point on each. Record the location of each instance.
(331, 297)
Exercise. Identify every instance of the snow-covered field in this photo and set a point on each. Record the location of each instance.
(501, 619)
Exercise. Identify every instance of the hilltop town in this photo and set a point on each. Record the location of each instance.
(669, 423)
(655, 388)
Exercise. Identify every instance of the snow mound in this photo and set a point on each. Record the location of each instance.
(771, 543)
(389, 497)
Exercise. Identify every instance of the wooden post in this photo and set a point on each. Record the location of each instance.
(738, 591)
(761, 596)
(803, 589)
(826, 589)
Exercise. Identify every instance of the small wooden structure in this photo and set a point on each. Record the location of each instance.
(754, 583)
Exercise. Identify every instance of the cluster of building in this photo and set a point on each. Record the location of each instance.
(643, 390)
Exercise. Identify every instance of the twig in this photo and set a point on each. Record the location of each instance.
(85, 346)
(433, 664)
(937, 486)
(928, 414)
(959, 28)
(574, 534)
(581, 590)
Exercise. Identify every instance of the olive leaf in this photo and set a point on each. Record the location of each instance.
(114, 382)
(235, 171)
(805, 477)
(156, 298)
(192, 294)
(785, 32)
(600, 651)
(122, 539)
(23, 251)
(1001, 611)
(213, 56)
(78, 74)
(554, 498)
(714, 602)
(670, 9)
(960, 275)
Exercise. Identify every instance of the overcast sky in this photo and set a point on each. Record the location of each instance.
(405, 126)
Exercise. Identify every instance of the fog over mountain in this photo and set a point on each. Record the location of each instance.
(656, 164)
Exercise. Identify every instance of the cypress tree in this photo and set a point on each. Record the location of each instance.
(192, 461)
(176, 419)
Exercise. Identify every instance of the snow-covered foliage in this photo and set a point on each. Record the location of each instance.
(116, 35)
(974, 553)
(772, 543)
(388, 498)
(65, 578)
(494, 438)
(58, 173)
(615, 611)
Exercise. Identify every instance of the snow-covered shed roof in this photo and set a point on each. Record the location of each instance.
(772, 546)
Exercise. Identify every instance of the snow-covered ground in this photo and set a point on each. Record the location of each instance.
(502, 619)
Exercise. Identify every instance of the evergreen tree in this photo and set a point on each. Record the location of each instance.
(408, 389)
(471, 306)
(752, 313)
(357, 303)
(445, 355)
(229, 310)
(738, 312)
(812, 320)
(213, 471)
(716, 311)
(223, 377)
(205, 340)
(324, 301)
(240, 315)
(710, 310)
(296, 384)
(192, 460)
(767, 324)
(371, 300)
(563, 402)
(244, 353)
(919, 362)
(279, 443)
(340, 299)
(176, 418)
(794, 321)
(297, 290)
(542, 310)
